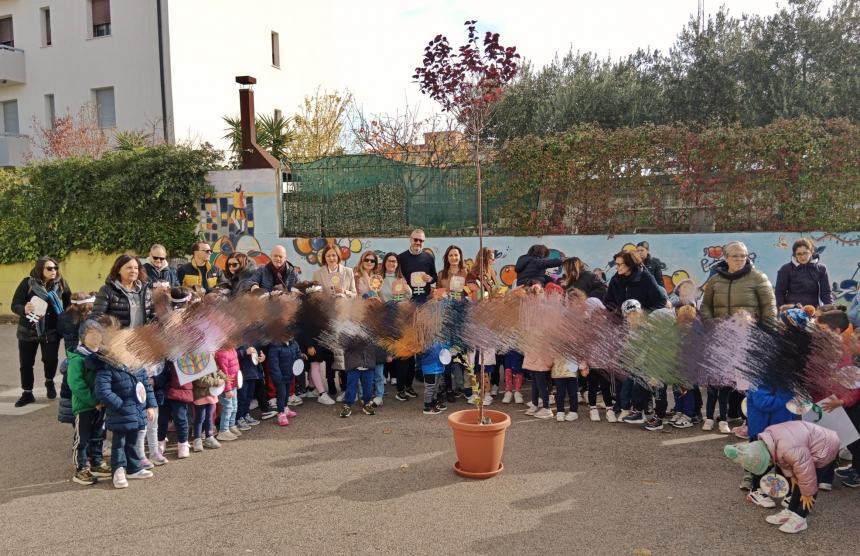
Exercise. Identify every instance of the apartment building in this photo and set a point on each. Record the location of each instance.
(166, 67)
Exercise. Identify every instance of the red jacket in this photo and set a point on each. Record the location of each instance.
(175, 391)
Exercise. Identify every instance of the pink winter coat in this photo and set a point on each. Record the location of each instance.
(228, 361)
(799, 448)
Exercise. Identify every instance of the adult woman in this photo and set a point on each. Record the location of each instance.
(803, 280)
(334, 277)
(453, 265)
(124, 295)
(368, 266)
(487, 274)
(239, 270)
(738, 286)
(532, 266)
(577, 276)
(652, 264)
(394, 286)
(633, 281)
(46, 283)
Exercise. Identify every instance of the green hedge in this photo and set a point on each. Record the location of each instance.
(123, 201)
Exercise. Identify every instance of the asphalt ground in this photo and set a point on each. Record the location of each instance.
(384, 484)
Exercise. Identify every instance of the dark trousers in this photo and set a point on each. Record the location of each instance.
(203, 420)
(566, 386)
(718, 394)
(246, 394)
(282, 389)
(123, 451)
(698, 402)
(854, 414)
(661, 402)
(262, 395)
(27, 358)
(405, 371)
(353, 377)
(685, 403)
(89, 438)
(540, 388)
(823, 475)
(595, 381)
(330, 375)
(178, 411)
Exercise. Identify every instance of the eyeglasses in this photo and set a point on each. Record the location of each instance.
(416, 240)
(158, 258)
(205, 250)
(51, 268)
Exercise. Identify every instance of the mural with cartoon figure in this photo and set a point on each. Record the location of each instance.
(227, 223)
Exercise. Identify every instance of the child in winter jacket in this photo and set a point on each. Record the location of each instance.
(564, 373)
(204, 410)
(539, 366)
(250, 358)
(803, 452)
(130, 403)
(359, 358)
(282, 356)
(177, 397)
(513, 361)
(434, 380)
(227, 361)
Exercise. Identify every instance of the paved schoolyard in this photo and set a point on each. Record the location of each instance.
(384, 484)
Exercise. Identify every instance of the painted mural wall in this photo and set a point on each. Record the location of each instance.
(243, 216)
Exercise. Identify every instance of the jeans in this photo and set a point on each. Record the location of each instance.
(718, 394)
(228, 410)
(379, 380)
(89, 438)
(569, 386)
(246, 394)
(685, 402)
(203, 420)
(540, 388)
(123, 452)
(405, 371)
(27, 358)
(178, 411)
(353, 376)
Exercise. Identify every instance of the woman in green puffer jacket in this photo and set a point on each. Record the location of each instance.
(738, 286)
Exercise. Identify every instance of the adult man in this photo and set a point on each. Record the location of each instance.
(416, 260)
(278, 272)
(199, 271)
(157, 268)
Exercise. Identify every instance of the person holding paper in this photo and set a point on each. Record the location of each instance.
(416, 261)
(38, 301)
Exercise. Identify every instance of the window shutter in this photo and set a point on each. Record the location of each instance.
(10, 117)
(6, 31)
(106, 108)
(101, 12)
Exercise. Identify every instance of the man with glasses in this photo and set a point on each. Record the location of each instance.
(200, 271)
(416, 260)
(278, 272)
(160, 273)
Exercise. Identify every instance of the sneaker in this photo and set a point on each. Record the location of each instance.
(746, 482)
(309, 394)
(780, 518)
(610, 416)
(182, 450)
(741, 432)
(273, 402)
(543, 413)
(162, 446)
(268, 414)
(159, 459)
(653, 424)
(473, 399)
(101, 470)
(51, 389)
(634, 418)
(290, 413)
(295, 400)
(146, 464)
(142, 474)
(251, 421)
(411, 393)
(708, 425)
(673, 418)
(401, 397)
(235, 430)
(197, 445)
(340, 397)
(393, 381)
(794, 524)
(84, 477)
(518, 397)
(843, 472)
(552, 400)
(211, 443)
(593, 414)
(26, 398)
(559, 416)
(759, 498)
(697, 419)
(283, 420)
(852, 480)
(488, 399)
(508, 397)
(623, 415)
(254, 404)
(450, 397)
(377, 401)
(325, 399)
(682, 422)
(532, 409)
(441, 405)
(346, 411)
(227, 436)
(119, 480)
(368, 409)
(571, 416)
(724, 427)
(494, 391)
(431, 410)
(826, 487)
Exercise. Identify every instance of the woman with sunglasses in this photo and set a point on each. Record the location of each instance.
(37, 324)
(239, 270)
(368, 266)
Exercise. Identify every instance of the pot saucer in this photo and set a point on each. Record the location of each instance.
(485, 475)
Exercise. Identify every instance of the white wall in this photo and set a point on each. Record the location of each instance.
(213, 41)
(74, 64)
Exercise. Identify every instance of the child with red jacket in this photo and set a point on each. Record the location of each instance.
(227, 361)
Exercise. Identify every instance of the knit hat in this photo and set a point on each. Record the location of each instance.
(753, 456)
(795, 317)
(630, 306)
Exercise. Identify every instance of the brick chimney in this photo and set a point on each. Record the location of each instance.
(253, 155)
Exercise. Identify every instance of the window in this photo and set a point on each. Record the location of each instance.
(105, 107)
(101, 18)
(10, 117)
(50, 111)
(276, 50)
(46, 26)
(6, 37)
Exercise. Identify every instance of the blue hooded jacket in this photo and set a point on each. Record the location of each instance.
(766, 407)
(116, 388)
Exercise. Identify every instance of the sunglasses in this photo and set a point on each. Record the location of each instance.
(416, 240)
(51, 268)
(205, 250)
(231, 265)
(158, 258)
(370, 261)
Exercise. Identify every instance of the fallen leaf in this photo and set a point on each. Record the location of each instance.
(650, 482)
(641, 552)
(386, 430)
(404, 466)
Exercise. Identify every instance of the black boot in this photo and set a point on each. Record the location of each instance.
(26, 397)
(51, 388)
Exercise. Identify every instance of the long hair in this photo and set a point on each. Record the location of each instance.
(240, 258)
(359, 268)
(325, 251)
(398, 272)
(573, 268)
(38, 272)
(78, 312)
(631, 259)
(539, 250)
(446, 266)
(120, 262)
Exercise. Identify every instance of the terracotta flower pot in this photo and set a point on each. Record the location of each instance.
(479, 447)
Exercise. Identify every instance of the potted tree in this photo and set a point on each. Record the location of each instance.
(468, 83)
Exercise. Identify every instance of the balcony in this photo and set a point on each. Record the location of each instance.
(13, 150)
(11, 66)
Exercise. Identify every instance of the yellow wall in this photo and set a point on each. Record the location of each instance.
(84, 271)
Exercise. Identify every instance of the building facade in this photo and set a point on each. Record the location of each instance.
(164, 67)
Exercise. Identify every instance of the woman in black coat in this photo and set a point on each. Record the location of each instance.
(633, 281)
(240, 268)
(577, 276)
(47, 284)
(803, 280)
(532, 266)
(125, 294)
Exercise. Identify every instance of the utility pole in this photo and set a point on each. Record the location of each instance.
(701, 16)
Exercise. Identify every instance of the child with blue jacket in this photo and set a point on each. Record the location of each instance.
(434, 380)
(282, 356)
(128, 397)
